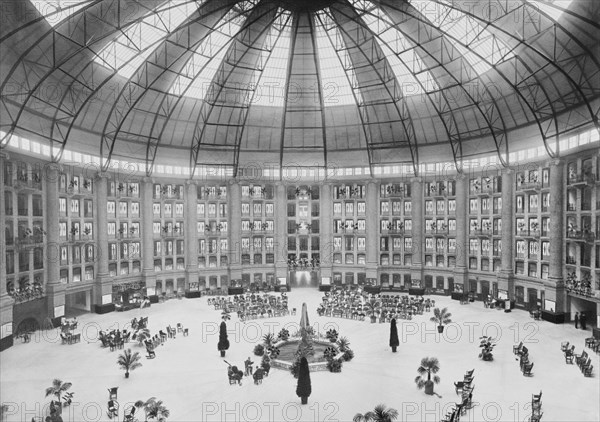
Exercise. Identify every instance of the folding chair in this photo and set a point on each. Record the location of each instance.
(112, 393)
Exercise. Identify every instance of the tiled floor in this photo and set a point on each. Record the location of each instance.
(191, 378)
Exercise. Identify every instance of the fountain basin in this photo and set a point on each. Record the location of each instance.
(287, 355)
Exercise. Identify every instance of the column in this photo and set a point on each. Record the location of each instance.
(6, 302)
(102, 289)
(147, 247)
(372, 225)
(326, 221)
(418, 238)
(235, 232)
(55, 291)
(554, 287)
(462, 205)
(506, 276)
(191, 234)
(281, 269)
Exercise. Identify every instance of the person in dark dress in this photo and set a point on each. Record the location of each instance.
(576, 319)
(582, 320)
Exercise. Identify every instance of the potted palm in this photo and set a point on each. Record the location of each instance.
(57, 388)
(441, 317)
(379, 414)
(372, 307)
(394, 342)
(223, 344)
(428, 366)
(129, 361)
(155, 410)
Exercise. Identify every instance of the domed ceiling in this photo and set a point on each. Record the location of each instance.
(312, 83)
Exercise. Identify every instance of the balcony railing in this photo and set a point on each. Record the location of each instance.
(582, 179)
(483, 232)
(30, 240)
(571, 207)
(570, 260)
(530, 186)
(578, 235)
(528, 233)
(28, 184)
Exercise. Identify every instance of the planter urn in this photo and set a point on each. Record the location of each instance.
(440, 329)
(222, 353)
(304, 400)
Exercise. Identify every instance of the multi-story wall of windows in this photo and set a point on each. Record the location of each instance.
(345, 249)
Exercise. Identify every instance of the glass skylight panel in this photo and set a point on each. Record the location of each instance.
(406, 64)
(273, 79)
(553, 12)
(335, 63)
(137, 42)
(467, 31)
(201, 68)
(56, 11)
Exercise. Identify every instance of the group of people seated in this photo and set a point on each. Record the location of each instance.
(114, 339)
(259, 372)
(349, 303)
(67, 331)
(252, 305)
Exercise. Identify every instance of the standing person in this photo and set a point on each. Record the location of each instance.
(248, 363)
(576, 319)
(582, 320)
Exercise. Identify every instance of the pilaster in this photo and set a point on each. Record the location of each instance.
(505, 278)
(102, 289)
(281, 269)
(191, 234)
(235, 229)
(326, 221)
(6, 301)
(416, 187)
(55, 290)
(460, 272)
(372, 225)
(555, 287)
(147, 247)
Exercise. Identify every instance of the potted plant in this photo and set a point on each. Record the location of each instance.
(428, 366)
(284, 334)
(142, 335)
(343, 344)
(57, 388)
(441, 316)
(487, 346)
(223, 344)
(259, 350)
(129, 361)
(155, 410)
(331, 335)
(303, 388)
(379, 414)
(268, 340)
(372, 307)
(394, 342)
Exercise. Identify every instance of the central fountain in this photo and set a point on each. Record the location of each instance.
(303, 344)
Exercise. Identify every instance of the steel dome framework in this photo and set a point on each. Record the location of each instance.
(476, 78)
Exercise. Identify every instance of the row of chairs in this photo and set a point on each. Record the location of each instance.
(536, 408)
(465, 389)
(524, 363)
(583, 361)
(70, 338)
